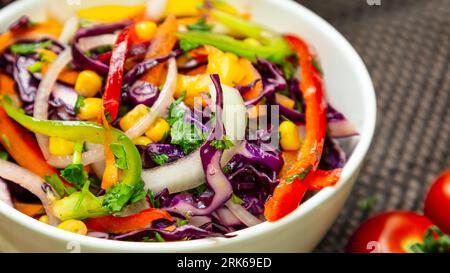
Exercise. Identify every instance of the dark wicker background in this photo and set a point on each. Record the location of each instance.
(406, 47)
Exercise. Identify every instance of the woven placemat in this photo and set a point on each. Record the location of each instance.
(406, 47)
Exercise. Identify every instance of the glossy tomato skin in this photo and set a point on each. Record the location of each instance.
(389, 232)
(437, 202)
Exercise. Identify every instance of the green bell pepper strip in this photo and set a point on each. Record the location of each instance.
(81, 131)
(273, 47)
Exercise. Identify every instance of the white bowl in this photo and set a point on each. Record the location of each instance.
(349, 88)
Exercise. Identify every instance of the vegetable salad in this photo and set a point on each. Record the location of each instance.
(144, 125)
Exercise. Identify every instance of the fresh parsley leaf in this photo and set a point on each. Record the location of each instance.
(227, 168)
(78, 104)
(29, 48)
(366, 204)
(56, 184)
(180, 222)
(187, 135)
(160, 159)
(300, 176)
(139, 192)
(222, 144)
(121, 157)
(4, 155)
(158, 237)
(200, 25)
(75, 174)
(176, 111)
(117, 196)
(35, 67)
(236, 200)
(199, 190)
(155, 203)
(187, 46)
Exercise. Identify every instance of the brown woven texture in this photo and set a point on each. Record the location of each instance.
(406, 47)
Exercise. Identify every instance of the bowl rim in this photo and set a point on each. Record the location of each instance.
(324, 195)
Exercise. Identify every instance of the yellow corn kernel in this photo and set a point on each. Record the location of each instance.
(88, 83)
(145, 30)
(60, 146)
(130, 119)
(289, 137)
(142, 141)
(75, 226)
(90, 109)
(158, 131)
(285, 101)
(44, 219)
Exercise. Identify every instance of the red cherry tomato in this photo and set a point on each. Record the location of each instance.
(437, 202)
(389, 232)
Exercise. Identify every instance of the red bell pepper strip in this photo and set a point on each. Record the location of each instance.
(289, 193)
(141, 220)
(111, 96)
(321, 179)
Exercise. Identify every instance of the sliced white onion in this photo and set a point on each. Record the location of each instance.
(187, 173)
(160, 106)
(227, 217)
(29, 181)
(99, 166)
(87, 43)
(155, 9)
(242, 214)
(43, 94)
(5, 195)
(341, 129)
(41, 112)
(199, 221)
(69, 30)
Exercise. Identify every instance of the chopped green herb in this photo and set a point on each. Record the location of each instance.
(187, 135)
(4, 155)
(35, 67)
(155, 203)
(160, 159)
(236, 200)
(200, 25)
(29, 48)
(187, 46)
(300, 176)
(199, 190)
(227, 168)
(180, 222)
(367, 204)
(56, 183)
(139, 192)
(158, 237)
(117, 196)
(78, 104)
(75, 174)
(121, 157)
(222, 144)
